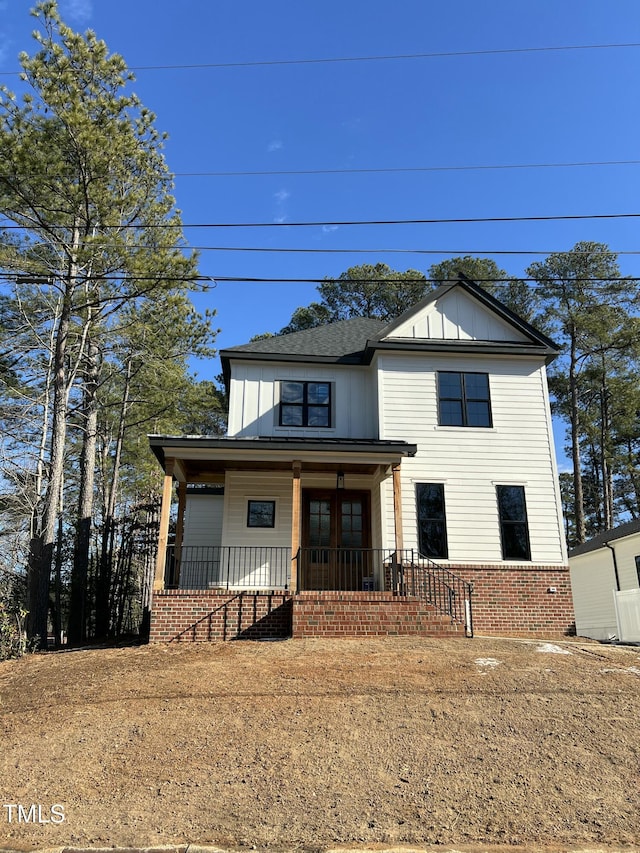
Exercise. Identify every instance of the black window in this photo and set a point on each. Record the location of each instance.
(432, 527)
(305, 404)
(514, 529)
(261, 514)
(463, 399)
(638, 568)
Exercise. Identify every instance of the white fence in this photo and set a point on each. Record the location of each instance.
(627, 603)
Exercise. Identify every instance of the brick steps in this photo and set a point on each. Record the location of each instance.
(365, 614)
(197, 616)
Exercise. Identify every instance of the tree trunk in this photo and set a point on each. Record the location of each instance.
(578, 496)
(77, 627)
(42, 543)
(106, 550)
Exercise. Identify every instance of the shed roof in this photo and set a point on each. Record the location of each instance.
(599, 541)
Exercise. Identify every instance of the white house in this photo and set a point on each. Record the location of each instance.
(605, 582)
(414, 458)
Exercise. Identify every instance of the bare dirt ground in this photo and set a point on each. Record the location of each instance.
(314, 744)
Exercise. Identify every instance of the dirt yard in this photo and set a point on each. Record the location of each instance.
(314, 744)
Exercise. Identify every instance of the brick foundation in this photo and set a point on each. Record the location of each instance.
(196, 616)
(514, 601)
(366, 614)
(508, 601)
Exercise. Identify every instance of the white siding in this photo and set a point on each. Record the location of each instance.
(203, 520)
(253, 400)
(517, 449)
(593, 582)
(592, 585)
(242, 486)
(626, 551)
(457, 316)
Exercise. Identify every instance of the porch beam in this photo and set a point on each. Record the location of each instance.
(296, 518)
(397, 507)
(163, 536)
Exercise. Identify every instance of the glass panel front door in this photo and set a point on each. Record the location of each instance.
(335, 534)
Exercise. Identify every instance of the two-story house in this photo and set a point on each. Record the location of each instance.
(375, 479)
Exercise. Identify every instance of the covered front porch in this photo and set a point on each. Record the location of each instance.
(291, 512)
(294, 517)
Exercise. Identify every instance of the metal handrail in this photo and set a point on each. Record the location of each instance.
(446, 591)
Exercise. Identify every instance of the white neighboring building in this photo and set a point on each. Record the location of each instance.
(607, 564)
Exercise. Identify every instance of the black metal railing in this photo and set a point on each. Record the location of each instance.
(227, 567)
(447, 592)
(405, 572)
(347, 569)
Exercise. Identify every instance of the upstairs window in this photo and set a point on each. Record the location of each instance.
(463, 399)
(432, 527)
(514, 527)
(305, 404)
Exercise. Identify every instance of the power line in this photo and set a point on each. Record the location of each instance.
(364, 171)
(209, 282)
(344, 223)
(375, 170)
(287, 250)
(374, 58)
(402, 169)
(403, 280)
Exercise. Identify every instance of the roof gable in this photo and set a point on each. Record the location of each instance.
(456, 317)
(462, 311)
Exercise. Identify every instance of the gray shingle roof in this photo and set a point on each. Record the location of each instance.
(608, 536)
(345, 338)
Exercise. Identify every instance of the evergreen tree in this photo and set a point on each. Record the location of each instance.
(85, 182)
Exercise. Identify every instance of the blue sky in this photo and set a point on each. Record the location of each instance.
(494, 109)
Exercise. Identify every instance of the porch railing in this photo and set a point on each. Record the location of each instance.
(405, 572)
(228, 567)
(348, 569)
(447, 592)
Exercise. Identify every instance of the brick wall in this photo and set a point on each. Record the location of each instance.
(211, 615)
(515, 600)
(509, 600)
(364, 614)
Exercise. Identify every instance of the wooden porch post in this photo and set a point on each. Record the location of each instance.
(296, 518)
(182, 502)
(397, 507)
(158, 581)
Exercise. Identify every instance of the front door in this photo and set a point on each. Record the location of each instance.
(335, 533)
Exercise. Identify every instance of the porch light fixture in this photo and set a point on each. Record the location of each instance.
(340, 480)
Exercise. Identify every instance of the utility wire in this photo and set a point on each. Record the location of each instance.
(375, 58)
(209, 282)
(305, 251)
(403, 169)
(379, 57)
(371, 171)
(344, 223)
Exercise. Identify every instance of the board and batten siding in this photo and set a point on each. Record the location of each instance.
(518, 449)
(254, 399)
(457, 316)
